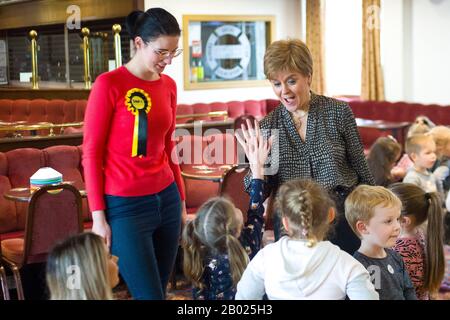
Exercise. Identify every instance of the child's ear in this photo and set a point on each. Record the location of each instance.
(331, 215)
(405, 221)
(361, 227)
(413, 156)
(285, 222)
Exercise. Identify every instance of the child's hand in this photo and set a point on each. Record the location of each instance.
(255, 147)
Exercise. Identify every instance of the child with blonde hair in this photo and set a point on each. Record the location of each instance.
(424, 258)
(421, 148)
(382, 157)
(421, 125)
(216, 244)
(302, 265)
(81, 268)
(373, 213)
(441, 136)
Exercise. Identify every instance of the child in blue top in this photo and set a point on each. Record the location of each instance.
(217, 245)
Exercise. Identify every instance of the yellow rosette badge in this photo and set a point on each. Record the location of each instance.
(139, 104)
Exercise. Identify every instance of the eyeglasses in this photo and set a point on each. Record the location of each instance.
(163, 54)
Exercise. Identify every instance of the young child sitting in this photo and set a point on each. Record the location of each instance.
(302, 265)
(373, 213)
(421, 149)
(216, 246)
(382, 157)
(425, 270)
(441, 136)
(421, 125)
(80, 268)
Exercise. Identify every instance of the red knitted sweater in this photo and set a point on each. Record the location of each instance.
(123, 155)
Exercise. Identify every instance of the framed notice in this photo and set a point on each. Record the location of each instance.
(3, 62)
(225, 51)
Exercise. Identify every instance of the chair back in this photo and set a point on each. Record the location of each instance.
(243, 120)
(54, 213)
(233, 188)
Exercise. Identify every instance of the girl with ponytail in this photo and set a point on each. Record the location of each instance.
(301, 265)
(423, 255)
(216, 244)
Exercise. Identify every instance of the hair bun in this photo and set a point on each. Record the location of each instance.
(131, 22)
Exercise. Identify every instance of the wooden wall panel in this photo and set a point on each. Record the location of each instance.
(45, 12)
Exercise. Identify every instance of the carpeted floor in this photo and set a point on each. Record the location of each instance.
(181, 292)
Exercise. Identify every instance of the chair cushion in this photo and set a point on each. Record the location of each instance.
(12, 249)
(12, 234)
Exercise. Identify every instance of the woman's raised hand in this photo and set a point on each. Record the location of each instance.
(256, 148)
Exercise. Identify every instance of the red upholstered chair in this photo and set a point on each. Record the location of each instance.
(235, 109)
(6, 109)
(233, 188)
(190, 150)
(67, 161)
(54, 213)
(201, 108)
(184, 109)
(243, 120)
(8, 213)
(256, 108)
(80, 110)
(3, 281)
(218, 106)
(20, 110)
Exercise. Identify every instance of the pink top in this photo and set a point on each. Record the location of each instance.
(412, 250)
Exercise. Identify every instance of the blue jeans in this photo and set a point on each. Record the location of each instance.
(145, 235)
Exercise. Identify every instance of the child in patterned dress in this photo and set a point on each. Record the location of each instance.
(423, 255)
(217, 245)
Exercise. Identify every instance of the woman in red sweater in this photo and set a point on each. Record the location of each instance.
(134, 187)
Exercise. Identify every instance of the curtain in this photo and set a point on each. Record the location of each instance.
(315, 42)
(372, 84)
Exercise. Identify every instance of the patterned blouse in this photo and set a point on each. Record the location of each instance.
(217, 281)
(412, 250)
(332, 153)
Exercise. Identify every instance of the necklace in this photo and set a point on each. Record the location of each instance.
(297, 117)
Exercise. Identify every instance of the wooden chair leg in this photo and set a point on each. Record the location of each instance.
(18, 279)
(4, 283)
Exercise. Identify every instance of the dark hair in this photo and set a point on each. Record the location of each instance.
(424, 206)
(151, 24)
(382, 157)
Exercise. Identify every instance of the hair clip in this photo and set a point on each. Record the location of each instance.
(427, 195)
(392, 138)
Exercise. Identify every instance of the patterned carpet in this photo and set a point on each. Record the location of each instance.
(181, 292)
